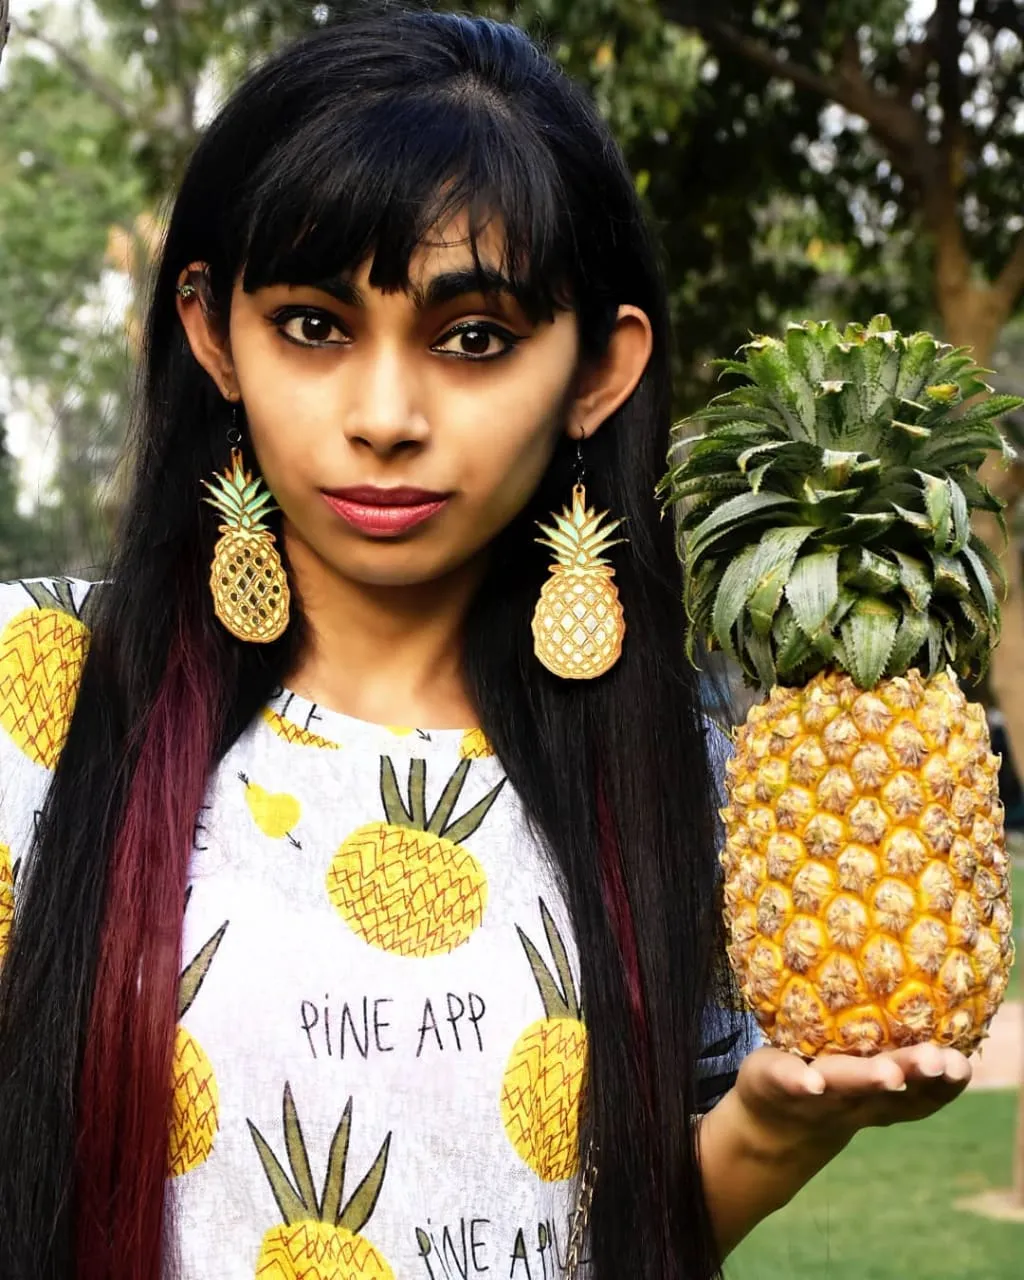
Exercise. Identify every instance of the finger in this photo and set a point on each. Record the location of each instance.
(850, 1075)
(933, 1062)
(787, 1076)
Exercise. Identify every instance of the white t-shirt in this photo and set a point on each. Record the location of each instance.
(378, 1066)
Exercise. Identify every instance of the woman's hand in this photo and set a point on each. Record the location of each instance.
(823, 1103)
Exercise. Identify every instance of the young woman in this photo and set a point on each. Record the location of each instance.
(407, 942)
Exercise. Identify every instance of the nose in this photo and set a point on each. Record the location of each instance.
(384, 411)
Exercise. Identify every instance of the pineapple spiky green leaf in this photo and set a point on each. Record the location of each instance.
(824, 506)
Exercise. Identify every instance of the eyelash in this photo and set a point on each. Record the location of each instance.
(282, 317)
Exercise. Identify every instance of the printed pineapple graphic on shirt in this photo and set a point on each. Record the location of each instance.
(407, 885)
(194, 1096)
(8, 879)
(42, 652)
(275, 813)
(319, 1238)
(474, 745)
(540, 1095)
(295, 734)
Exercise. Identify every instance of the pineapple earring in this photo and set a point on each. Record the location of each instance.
(247, 579)
(578, 625)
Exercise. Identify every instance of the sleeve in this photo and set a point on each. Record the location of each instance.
(43, 640)
(729, 1034)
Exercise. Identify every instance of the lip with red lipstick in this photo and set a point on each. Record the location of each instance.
(385, 512)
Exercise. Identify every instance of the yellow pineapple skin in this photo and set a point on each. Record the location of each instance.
(540, 1096)
(318, 1251)
(866, 875)
(6, 899)
(195, 1102)
(249, 586)
(42, 653)
(407, 892)
(579, 624)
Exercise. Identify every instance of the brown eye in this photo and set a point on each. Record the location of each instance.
(475, 342)
(307, 328)
(482, 342)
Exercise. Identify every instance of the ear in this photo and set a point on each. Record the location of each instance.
(606, 385)
(206, 337)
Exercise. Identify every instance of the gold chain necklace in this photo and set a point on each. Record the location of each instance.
(581, 1215)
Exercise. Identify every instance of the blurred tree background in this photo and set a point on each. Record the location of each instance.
(800, 157)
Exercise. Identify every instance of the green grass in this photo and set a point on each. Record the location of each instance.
(884, 1210)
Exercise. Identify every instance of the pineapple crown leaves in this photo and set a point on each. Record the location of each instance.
(236, 495)
(297, 1198)
(194, 974)
(60, 597)
(825, 506)
(558, 994)
(439, 823)
(580, 535)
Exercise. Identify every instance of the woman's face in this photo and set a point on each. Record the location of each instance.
(352, 395)
(400, 433)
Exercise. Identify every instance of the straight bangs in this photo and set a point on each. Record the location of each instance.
(348, 187)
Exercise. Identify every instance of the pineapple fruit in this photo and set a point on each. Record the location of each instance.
(540, 1095)
(42, 653)
(247, 581)
(825, 524)
(578, 625)
(407, 885)
(319, 1238)
(194, 1095)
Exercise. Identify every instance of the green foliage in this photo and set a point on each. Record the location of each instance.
(825, 506)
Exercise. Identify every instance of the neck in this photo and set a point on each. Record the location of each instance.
(391, 655)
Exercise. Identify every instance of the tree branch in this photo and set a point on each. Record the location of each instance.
(1009, 284)
(894, 122)
(83, 73)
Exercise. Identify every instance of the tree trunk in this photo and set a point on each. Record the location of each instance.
(5, 25)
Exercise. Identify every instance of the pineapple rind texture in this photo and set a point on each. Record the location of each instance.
(540, 1097)
(6, 898)
(42, 653)
(194, 1105)
(319, 1251)
(866, 875)
(408, 892)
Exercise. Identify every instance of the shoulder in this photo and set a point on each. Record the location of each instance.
(44, 638)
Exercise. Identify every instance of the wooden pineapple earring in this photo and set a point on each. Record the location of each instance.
(578, 625)
(247, 579)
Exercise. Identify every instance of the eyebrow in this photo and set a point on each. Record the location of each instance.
(446, 287)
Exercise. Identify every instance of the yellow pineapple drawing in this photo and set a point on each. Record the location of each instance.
(319, 1238)
(295, 734)
(274, 813)
(42, 652)
(474, 745)
(8, 877)
(194, 1098)
(407, 885)
(540, 1095)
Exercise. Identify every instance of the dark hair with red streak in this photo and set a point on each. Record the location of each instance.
(122, 1133)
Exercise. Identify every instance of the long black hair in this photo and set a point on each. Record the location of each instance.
(351, 145)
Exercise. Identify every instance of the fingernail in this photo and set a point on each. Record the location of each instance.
(897, 1088)
(816, 1085)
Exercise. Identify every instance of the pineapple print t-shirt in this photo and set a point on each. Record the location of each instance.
(378, 1065)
